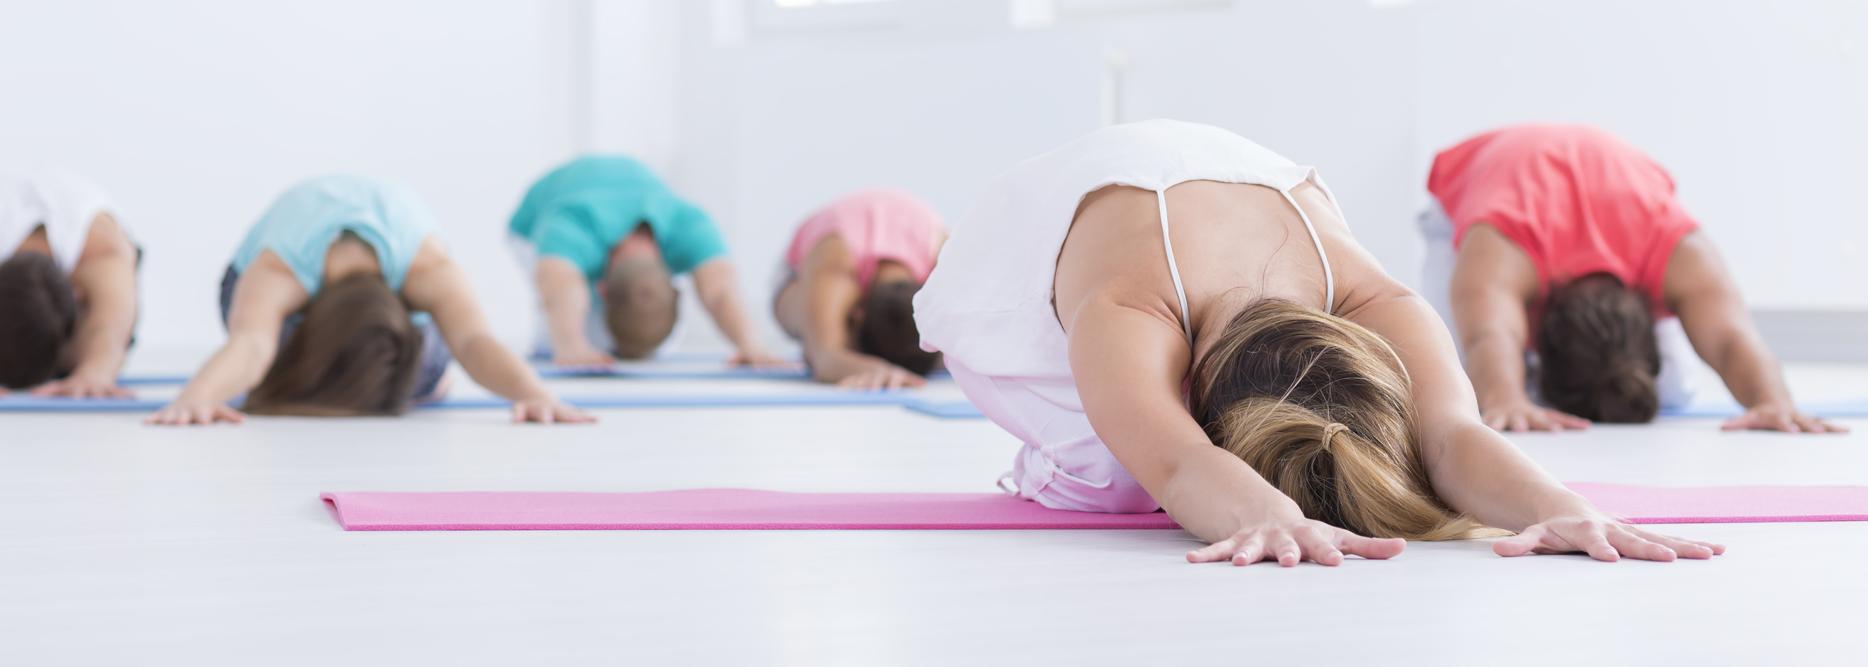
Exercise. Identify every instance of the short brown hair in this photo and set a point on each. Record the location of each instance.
(354, 352)
(887, 329)
(1597, 355)
(38, 315)
(1323, 410)
(640, 304)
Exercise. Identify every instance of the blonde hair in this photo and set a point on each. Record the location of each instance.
(1322, 408)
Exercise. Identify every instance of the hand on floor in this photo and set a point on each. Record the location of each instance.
(1292, 542)
(548, 410)
(185, 412)
(758, 358)
(1604, 539)
(83, 386)
(1524, 415)
(882, 376)
(1778, 418)
(586, 357)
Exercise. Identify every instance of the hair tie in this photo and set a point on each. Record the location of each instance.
(1329, 434)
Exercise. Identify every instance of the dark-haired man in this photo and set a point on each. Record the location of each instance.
(67, 287)
(1572, 242)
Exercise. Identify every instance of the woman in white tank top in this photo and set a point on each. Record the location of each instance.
(67, 287)
(1240, 362)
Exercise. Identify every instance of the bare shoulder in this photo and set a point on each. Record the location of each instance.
(1488, 260)
(105, 240)
(1112, 253)
(1694, 268)
(830, 254)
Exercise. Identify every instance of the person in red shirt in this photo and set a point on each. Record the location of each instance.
(1571, 241)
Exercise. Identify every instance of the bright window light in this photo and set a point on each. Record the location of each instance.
(794, 4)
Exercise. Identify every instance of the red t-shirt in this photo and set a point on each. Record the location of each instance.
(1575, 198)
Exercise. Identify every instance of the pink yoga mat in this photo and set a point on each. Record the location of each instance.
(744, 509)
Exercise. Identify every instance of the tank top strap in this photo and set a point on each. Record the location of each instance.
(1167, 243)
(1329, 276)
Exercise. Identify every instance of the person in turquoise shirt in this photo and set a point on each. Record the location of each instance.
(607, 221)
(342, 301)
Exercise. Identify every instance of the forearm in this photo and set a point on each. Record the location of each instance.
(566, 310)
(492, 366)
(103, 341)
(723, 306)
(1495, 364)
(1751, 372)
(1213, 494)
(1480, 473)
(235, 368)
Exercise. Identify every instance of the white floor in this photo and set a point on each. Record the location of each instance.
(121, 543)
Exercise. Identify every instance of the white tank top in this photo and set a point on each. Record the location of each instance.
(988, 303)
(62, 202)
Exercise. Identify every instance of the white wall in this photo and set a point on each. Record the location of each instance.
(1757, 106)
(195, 113)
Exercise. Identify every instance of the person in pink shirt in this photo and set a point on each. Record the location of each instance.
(853, 270)
(1571, 242)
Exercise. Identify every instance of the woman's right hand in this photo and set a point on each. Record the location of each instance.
(187, 412)
(1522, 415)
(582, 357)
(880, 376)
(1289, 539)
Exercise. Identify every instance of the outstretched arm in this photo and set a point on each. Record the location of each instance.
(1700, 290)
(1493, 283)
(438, 286)
(1479, 473)
(817, 306)
(106, 275)
(719, 293)
(264, 295)
(565, 296)
(1128, 359)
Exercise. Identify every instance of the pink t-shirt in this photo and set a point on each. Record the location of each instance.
(876, 225)
(1576, 199)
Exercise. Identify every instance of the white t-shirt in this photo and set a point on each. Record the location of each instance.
(62, 202)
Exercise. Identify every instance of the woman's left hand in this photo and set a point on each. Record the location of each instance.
(1780, 418)
(83, 385)
(759, 358)
(1603, 538)
(548, 410)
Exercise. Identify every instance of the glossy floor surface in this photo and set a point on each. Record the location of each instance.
(124, 543)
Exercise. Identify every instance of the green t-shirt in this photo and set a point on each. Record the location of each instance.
(580, 210)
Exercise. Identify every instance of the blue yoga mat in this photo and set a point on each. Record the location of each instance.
(944, 409)
(151, 380)
(720, 373)
(552, 372)
(1829, 408)
(827, 398)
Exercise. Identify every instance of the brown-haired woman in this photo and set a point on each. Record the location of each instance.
(67, 287)
(1569, 239)
(1246, 366)
(852, 271)
(342, 301)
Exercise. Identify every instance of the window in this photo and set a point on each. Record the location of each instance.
(795, 15)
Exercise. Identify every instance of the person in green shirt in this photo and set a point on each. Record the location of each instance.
(607, 221)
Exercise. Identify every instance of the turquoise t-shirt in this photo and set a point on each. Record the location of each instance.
(581, 210)
(303, 223)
